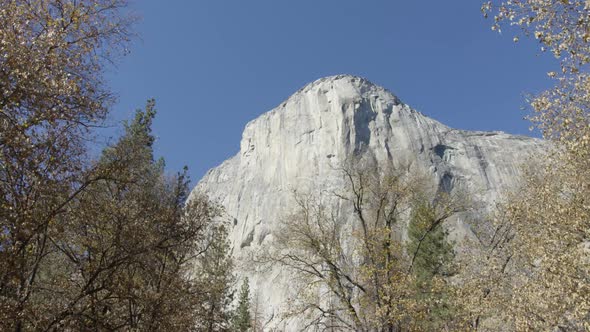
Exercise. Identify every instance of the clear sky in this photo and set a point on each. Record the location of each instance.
(214, 65)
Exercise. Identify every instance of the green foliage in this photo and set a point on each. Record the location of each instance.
(428, 243)
(133, 153)
(242, 320)
(214, 281)
(433, 255)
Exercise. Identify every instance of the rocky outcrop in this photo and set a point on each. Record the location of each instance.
(297, 145)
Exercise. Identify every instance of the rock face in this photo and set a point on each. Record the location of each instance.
(296, 146)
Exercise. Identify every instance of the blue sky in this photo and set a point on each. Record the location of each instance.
(214, 65)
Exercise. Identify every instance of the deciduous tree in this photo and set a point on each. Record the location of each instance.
(51, 62)
(346, 251)
(537, 269)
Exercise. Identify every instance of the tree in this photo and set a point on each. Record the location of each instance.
(258, 321)
(433, 252)
(108, 244)
(537, 269)
(124, 250)
(242, 320)
(52, 54)
(534, 271)
(163, 238)
(214, 281)
(141, 262)
(363, 283)
(432, 262)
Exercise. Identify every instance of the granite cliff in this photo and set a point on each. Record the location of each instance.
(297, 145)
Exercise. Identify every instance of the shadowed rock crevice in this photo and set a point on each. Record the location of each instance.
(441, 149)
(248, 239)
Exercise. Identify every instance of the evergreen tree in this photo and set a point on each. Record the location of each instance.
(428, 243)
(432, 257)
(215, 280)
(242, 320)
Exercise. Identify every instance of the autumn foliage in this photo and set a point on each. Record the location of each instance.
(108, 243)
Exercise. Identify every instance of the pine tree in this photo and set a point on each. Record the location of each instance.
(242, 321)
(214, 280)
(432, 257)
(428, 243)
